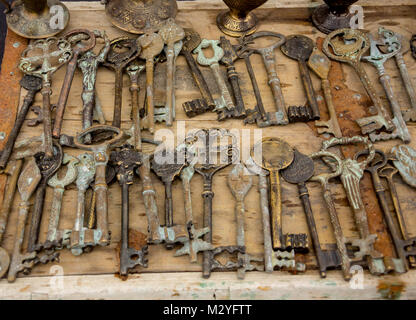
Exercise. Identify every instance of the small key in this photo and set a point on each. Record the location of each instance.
(27, 184)
(321, 65)
(349, 46)
(13, 170)
(228, 60)
(56, 239)
(126, 160)
(378, 59)
(192, 108)
(152, 45)
(75, 37)
(300, 171)
(32, 84)
(54, 54)
(323, 179)
(88, 63)
(300, 48)
(406, 164)
(122, 51)
(225, 105)
(413, 46)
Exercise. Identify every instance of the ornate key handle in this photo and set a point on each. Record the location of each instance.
(413, 46)
(405, 162)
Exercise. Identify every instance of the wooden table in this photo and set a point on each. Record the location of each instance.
(93, 275)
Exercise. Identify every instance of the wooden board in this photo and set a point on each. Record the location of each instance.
(286, 17)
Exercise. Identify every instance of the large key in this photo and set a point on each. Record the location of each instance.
(300, 48)
(323, 179)
(74, 37)
(321, 65)
(126, 160)
(13, 170)
(348, 46)
(406, 164)
(32, 84)
(225, 105)
(152, 44)
(351, 175)
(240, 183)
(57, 239)
(27, 184)
(54, 53)
(377, 59)
(300, 171)
(122, 51)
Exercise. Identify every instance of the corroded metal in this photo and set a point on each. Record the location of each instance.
(378, 59)
(224, 105)
(43, 58)
(300, 48)
(32, 84)
(239, 20)
(13, 170)
(321, 65)
(35, 19)
(349, 46)
(299, 114)
(333, 15)
(413, 46)
(82, 40)
(405, 162)
(139, 16)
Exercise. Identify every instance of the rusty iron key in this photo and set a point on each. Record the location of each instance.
(43, 58)
(349, 46)
(13, 169)
(122, 51)
(125, 161)
(321, 65)
(75, 37)
(300, 48)
(32, 84)
(378, 59)
(300, 171)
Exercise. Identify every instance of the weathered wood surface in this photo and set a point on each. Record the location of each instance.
(201, 16)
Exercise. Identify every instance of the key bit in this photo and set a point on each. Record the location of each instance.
(299, 114)
(406, 164)
(196, 107)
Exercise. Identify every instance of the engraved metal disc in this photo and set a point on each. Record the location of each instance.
(300, 170)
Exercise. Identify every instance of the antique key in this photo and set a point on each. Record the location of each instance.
(192, 108)
(13, 170)
(224, 105)
(228, 60)
(280, 116)
(54, 53)
(321, 65)
(240, 183)
(126, 160)
(172, 34)
(300, 48)
(377, 59)
(400, 265)
(167, 172)
(88, 63)
(74, 37)
(32, 84)
(351, 174)
(152, 44)
(406, 164)
(323, 179)
(122, 51)
(413, 46)
(348, 46)
(300, 171)
(27, 184)
(56, 239)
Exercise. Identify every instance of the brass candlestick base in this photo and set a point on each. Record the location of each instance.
(140, 16)
(37, 19)
(239, 20)
(333, 15)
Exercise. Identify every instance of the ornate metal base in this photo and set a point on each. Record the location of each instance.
(33, 26)
(237, 27)
(326, 22)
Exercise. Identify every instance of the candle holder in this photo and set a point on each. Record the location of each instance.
(239, 21)
(36, 19)
(333, 15)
